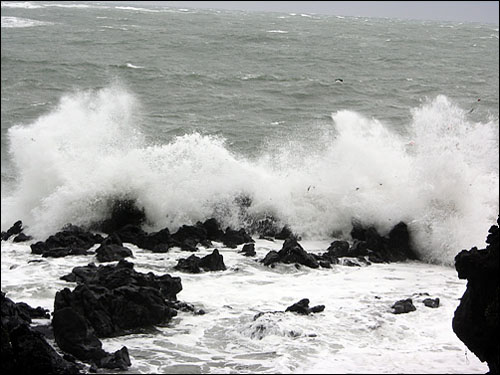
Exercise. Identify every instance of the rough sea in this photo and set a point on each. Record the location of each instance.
(316, 120)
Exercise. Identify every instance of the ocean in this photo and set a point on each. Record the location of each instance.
(315, 120)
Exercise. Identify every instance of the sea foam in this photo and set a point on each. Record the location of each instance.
(441, 178)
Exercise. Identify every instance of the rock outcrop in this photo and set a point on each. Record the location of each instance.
(109, 301)
(476, 319)
(24, 350)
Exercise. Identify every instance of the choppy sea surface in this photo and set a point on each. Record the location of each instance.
(316, 120)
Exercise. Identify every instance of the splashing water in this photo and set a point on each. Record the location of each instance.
(441, 178)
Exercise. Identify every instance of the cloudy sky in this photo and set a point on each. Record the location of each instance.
(462, 11)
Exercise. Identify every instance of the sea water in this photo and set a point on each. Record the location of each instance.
(314, 120)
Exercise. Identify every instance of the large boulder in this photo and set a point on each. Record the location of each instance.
(112, 252)
(476, 319)
(232, 238)
(74, 335)
(117, 299)
(24, 350)
(291, 252)
(194, 264)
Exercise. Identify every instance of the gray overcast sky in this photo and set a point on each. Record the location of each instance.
(462, 11)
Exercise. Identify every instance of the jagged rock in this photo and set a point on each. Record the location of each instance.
(338, 249)
(212, 228)
(16, 228)
(33, 313)
(233, 238)
(21, 237)
(291, 252)
(194, 264)
(25, 351)
(74, 335)
(248, 250)
(403, 306)
(112, 252)
(393, 248)
(196, 233)
(73, 238)
(476, 319)
(302, 307)
(190, 264)
(117, 299)
(431, 302)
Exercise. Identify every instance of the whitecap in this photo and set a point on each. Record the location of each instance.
(15, 22)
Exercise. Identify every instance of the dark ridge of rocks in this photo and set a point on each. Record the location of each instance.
(16, 228)
(112, 252)
(476, 319)
(123, 274)
(368, 247)
(291, 252)
(59, 252)
(232, 238)
(194, 264)
(33, 313)
(302, 307)
(403, 306)
(72, 238)
(197, 233)
(75, 336)
(431, 302)
(248, 250)
(393, 248)
(24, 350)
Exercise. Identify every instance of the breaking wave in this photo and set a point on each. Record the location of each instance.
(441, 178)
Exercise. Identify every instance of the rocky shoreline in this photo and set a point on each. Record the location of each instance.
(115, 300)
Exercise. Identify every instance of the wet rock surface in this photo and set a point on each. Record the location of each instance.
(24, 350)
(476, 319)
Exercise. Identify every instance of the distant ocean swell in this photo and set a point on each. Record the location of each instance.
(441, 178)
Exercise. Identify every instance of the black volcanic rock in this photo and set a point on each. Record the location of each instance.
(16, 228)
(112, 252)
(194, 264)
(24, 350)
(212, 228)
(74, 335)
(117, 299)
(476, 319)
(302, 307)
(73, 238)
(248, 250)
(396, 247)
(110, 301)
(59, 252)
(403, 306)
(232, 238)
(291, 252)
(431, 302)
(21, 237)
